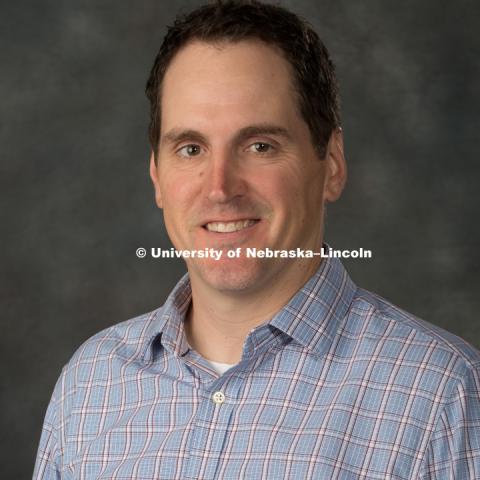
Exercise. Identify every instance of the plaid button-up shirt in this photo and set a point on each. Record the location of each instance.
(339, 384)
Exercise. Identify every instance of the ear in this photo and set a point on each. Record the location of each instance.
(155, 181)
(336, 167)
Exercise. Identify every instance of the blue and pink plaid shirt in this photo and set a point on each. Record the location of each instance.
(339, 384)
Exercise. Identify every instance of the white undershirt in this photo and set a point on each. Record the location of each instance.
(221, 368)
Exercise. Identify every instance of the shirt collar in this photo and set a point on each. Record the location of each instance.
(168, 326)
(312, 317)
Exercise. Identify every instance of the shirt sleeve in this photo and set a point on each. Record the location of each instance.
(47, 465)
(454, 449)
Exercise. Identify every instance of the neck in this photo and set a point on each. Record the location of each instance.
(218, 322)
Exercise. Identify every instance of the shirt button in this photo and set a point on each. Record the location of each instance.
(218, 397)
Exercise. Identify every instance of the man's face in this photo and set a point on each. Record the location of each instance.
(236, 164)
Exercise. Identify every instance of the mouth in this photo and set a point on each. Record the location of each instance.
(230, 227)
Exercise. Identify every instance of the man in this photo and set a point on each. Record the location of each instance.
(259, 368)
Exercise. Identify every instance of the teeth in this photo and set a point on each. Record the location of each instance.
(229, 226)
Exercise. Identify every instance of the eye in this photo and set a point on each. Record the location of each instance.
(190, 150)
(260, 147)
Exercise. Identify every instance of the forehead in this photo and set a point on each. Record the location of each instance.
(227, 80)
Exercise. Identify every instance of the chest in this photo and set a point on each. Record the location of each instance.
(243, 425)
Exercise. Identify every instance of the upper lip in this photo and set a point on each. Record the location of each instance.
(228, 220)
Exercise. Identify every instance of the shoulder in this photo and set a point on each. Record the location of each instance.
(123, 342)
(399, 334)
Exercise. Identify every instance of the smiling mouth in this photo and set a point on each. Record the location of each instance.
(229, 227)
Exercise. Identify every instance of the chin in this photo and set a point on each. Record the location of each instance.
(231, 276)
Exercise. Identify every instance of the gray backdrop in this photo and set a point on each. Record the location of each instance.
(77, 200)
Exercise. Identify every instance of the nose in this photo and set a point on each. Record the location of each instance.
(224, 179)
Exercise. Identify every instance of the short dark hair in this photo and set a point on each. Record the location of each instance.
(232, 21)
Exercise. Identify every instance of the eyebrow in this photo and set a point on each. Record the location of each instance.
(175, 135)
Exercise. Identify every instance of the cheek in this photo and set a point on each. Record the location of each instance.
(284, 189)
(297, 198)
(177, 192)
